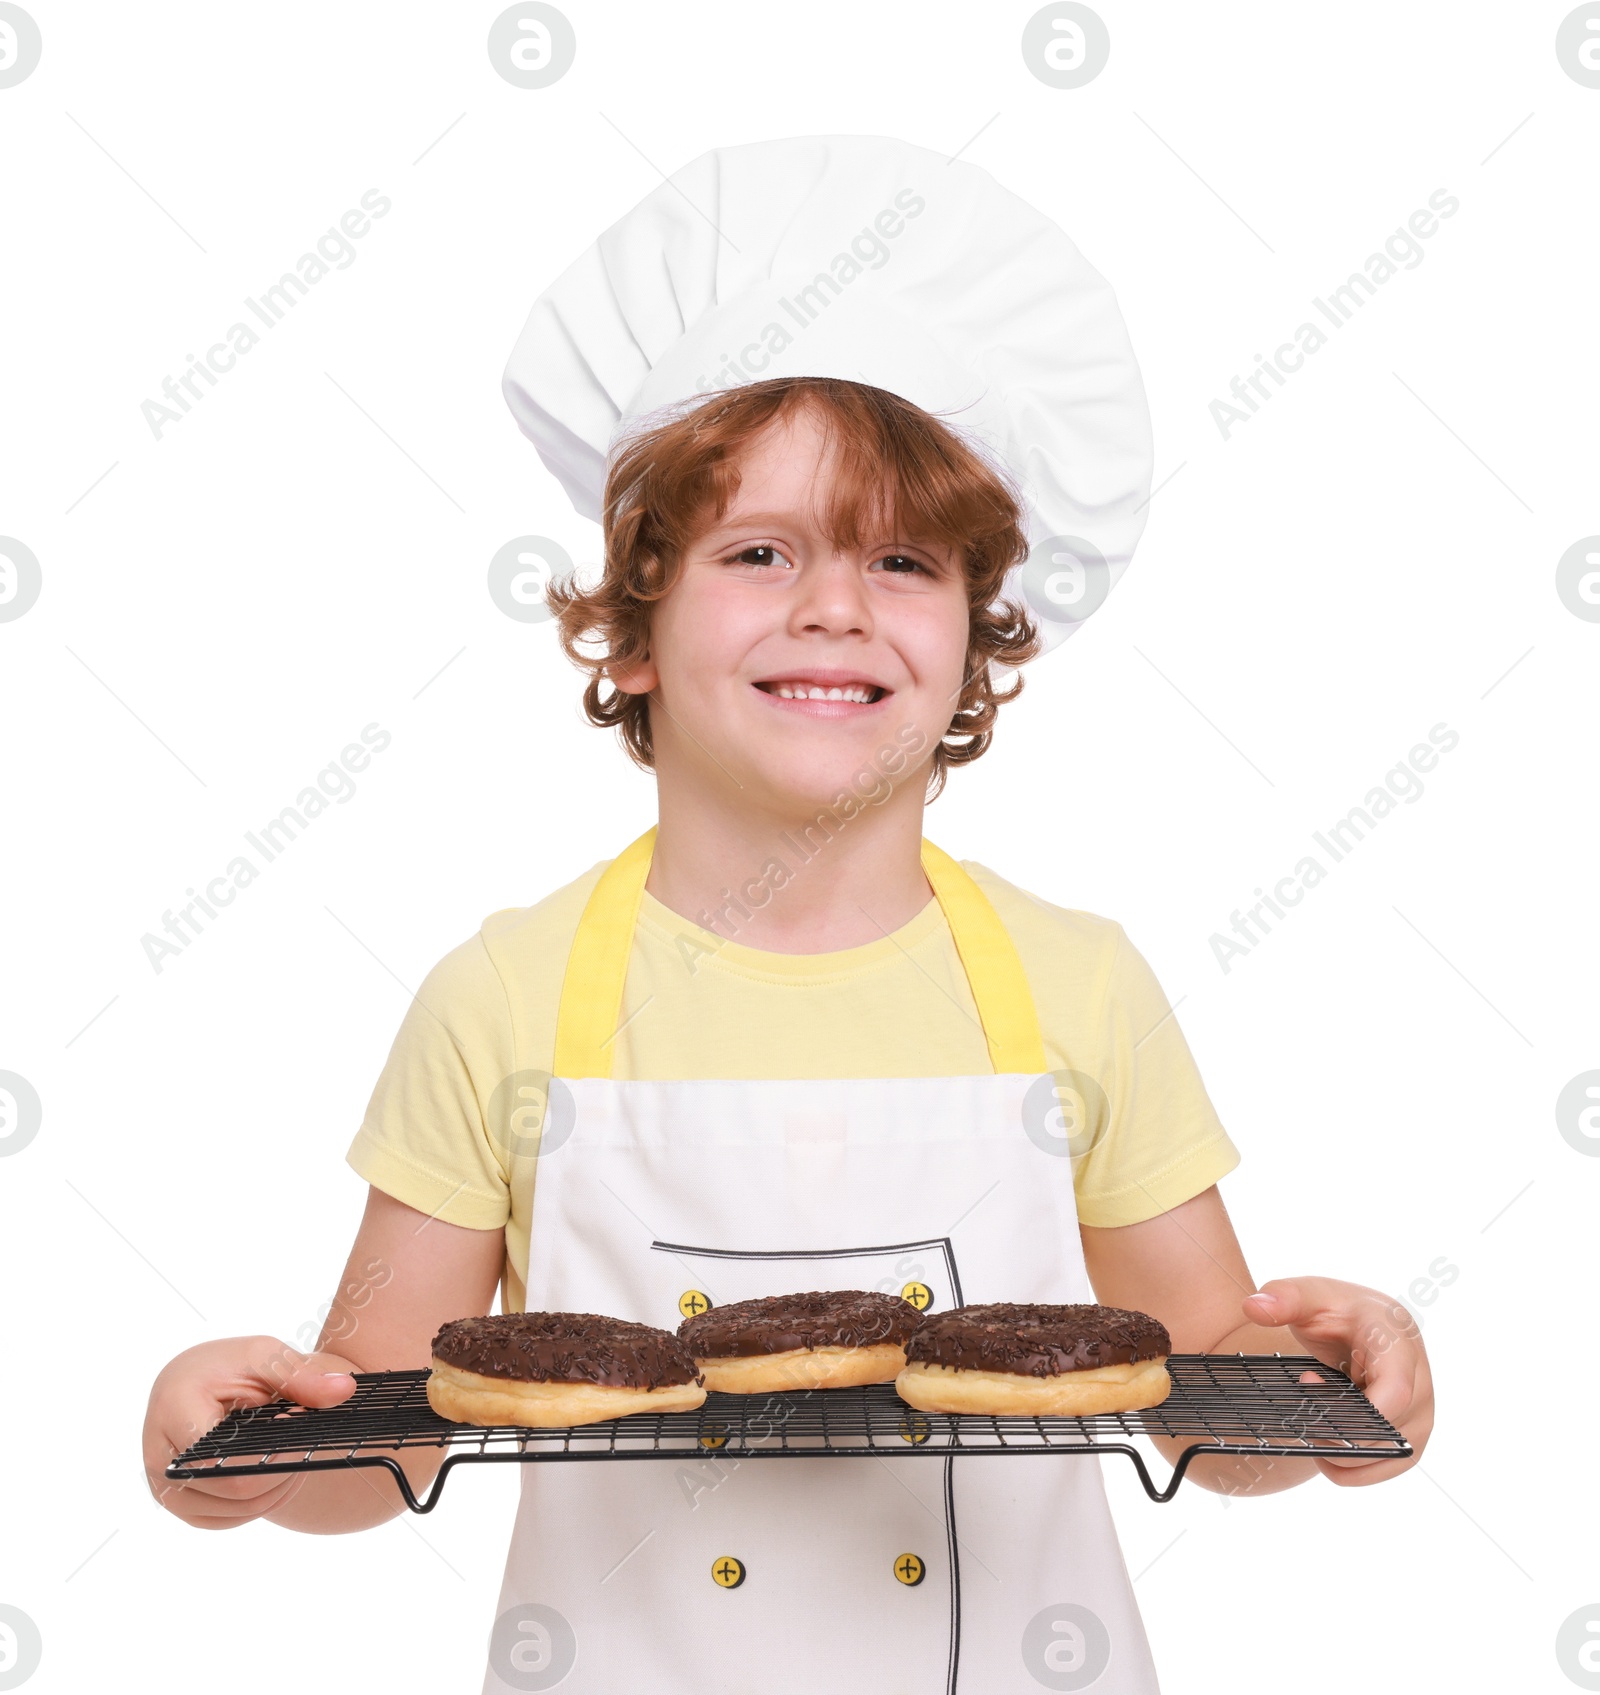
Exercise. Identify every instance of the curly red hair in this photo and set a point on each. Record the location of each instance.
(669, 480)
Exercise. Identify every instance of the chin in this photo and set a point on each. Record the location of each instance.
(842, 790)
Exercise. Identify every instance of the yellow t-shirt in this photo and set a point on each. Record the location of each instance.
(699, 1005)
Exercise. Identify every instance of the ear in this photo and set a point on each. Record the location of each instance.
(640, 677)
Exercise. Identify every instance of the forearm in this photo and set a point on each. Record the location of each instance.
(333, 1503)
(1241, 1474)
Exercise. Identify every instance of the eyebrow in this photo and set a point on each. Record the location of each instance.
(733, 522)
(756, 520)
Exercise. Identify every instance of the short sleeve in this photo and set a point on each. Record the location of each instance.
(424, 1138)
(1162, 1143)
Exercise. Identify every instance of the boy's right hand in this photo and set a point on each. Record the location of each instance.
(199, 1388)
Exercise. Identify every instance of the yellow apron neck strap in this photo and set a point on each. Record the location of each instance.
(597, 966)
(994, 972)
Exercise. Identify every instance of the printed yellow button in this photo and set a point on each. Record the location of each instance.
(727, 1573)
(910, 1570)
(915, 1429)
(919, 1295)
(691, 1302)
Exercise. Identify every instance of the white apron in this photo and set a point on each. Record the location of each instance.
(763, 1576)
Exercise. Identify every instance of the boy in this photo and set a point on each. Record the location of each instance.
(780, 1043)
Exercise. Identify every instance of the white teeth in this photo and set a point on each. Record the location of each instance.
(861, 696)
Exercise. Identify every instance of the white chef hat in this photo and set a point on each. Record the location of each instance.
(865, 258)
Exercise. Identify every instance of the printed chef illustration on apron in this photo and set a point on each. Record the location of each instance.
(918, 1574)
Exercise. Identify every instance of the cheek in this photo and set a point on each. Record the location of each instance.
(701, 630)
(935, 642)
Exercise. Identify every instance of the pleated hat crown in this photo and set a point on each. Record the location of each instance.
(869, 259)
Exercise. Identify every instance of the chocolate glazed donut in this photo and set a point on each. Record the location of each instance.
(822, 1339)
(1070, 1361)
(549, 1370)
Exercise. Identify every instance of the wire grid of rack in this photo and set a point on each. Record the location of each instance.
(1255, 1404)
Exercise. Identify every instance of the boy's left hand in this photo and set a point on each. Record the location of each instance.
(1370, 1337)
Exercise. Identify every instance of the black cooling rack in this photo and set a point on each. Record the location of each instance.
(1229, 1403)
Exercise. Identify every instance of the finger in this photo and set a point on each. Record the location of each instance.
(185, 1409)
(1391, 1387)
(1294, 1300)
(217, 1501)
(243, 1491)
(1348, 1475)
(313, 1380)
(183, 1414)
(1349, 1328)
(1390, 1383)
(321, 1380)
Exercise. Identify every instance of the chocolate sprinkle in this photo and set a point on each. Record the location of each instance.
(781, 1324)
(566, 1347)
(1037, 1341)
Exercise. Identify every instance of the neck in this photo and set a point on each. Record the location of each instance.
(790, 880)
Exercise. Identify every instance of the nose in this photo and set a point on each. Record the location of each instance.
(833, 599)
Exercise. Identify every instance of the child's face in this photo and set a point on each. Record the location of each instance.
(766, 608)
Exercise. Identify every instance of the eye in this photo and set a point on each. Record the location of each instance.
(902, 564)
(762, 556)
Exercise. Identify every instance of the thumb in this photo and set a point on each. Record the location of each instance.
(315, 1380)
(1281, 1300)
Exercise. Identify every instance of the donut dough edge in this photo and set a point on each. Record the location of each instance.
(1004, 1394)
(468, 1397)
(804, 1368)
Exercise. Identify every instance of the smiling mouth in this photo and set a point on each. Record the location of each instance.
(861, 694)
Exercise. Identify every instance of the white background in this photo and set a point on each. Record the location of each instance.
(225, 608)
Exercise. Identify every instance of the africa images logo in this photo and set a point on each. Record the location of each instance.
(1402, 249)
(335, 783)
(1401, 784)
(334, 249)
(868, 250)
